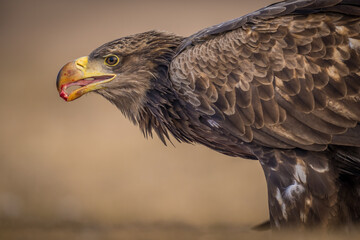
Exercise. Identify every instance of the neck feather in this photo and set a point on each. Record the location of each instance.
(161, 99)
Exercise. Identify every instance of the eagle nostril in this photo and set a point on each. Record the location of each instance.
(79, 65)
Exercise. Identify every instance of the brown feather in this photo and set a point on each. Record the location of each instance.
(281, 84)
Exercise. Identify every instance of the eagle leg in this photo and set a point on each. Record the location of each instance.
(305, 189)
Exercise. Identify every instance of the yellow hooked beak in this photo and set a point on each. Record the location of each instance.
(76, 73)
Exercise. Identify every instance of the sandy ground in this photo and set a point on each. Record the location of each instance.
(81, 170)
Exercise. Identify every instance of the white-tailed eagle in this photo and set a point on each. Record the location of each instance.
(280, 85)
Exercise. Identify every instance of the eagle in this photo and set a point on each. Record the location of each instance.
(280, 85)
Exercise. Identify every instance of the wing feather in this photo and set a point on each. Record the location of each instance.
(285, 81)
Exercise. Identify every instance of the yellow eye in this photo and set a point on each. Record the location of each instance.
(111, 60)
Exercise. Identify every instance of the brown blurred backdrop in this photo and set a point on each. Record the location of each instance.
(82, 163)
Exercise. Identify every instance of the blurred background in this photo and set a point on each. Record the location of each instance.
(80, 169)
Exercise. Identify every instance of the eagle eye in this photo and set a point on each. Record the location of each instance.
(111, 60)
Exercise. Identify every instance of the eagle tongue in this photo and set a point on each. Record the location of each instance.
(63, 95)
(77, 84)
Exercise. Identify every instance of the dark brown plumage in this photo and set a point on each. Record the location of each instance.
(281, 85)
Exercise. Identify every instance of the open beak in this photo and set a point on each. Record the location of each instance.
(76, 73)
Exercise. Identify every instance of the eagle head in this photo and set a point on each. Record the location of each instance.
(122, 71)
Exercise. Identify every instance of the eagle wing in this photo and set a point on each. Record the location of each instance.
(277, 77)
(350, 7)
